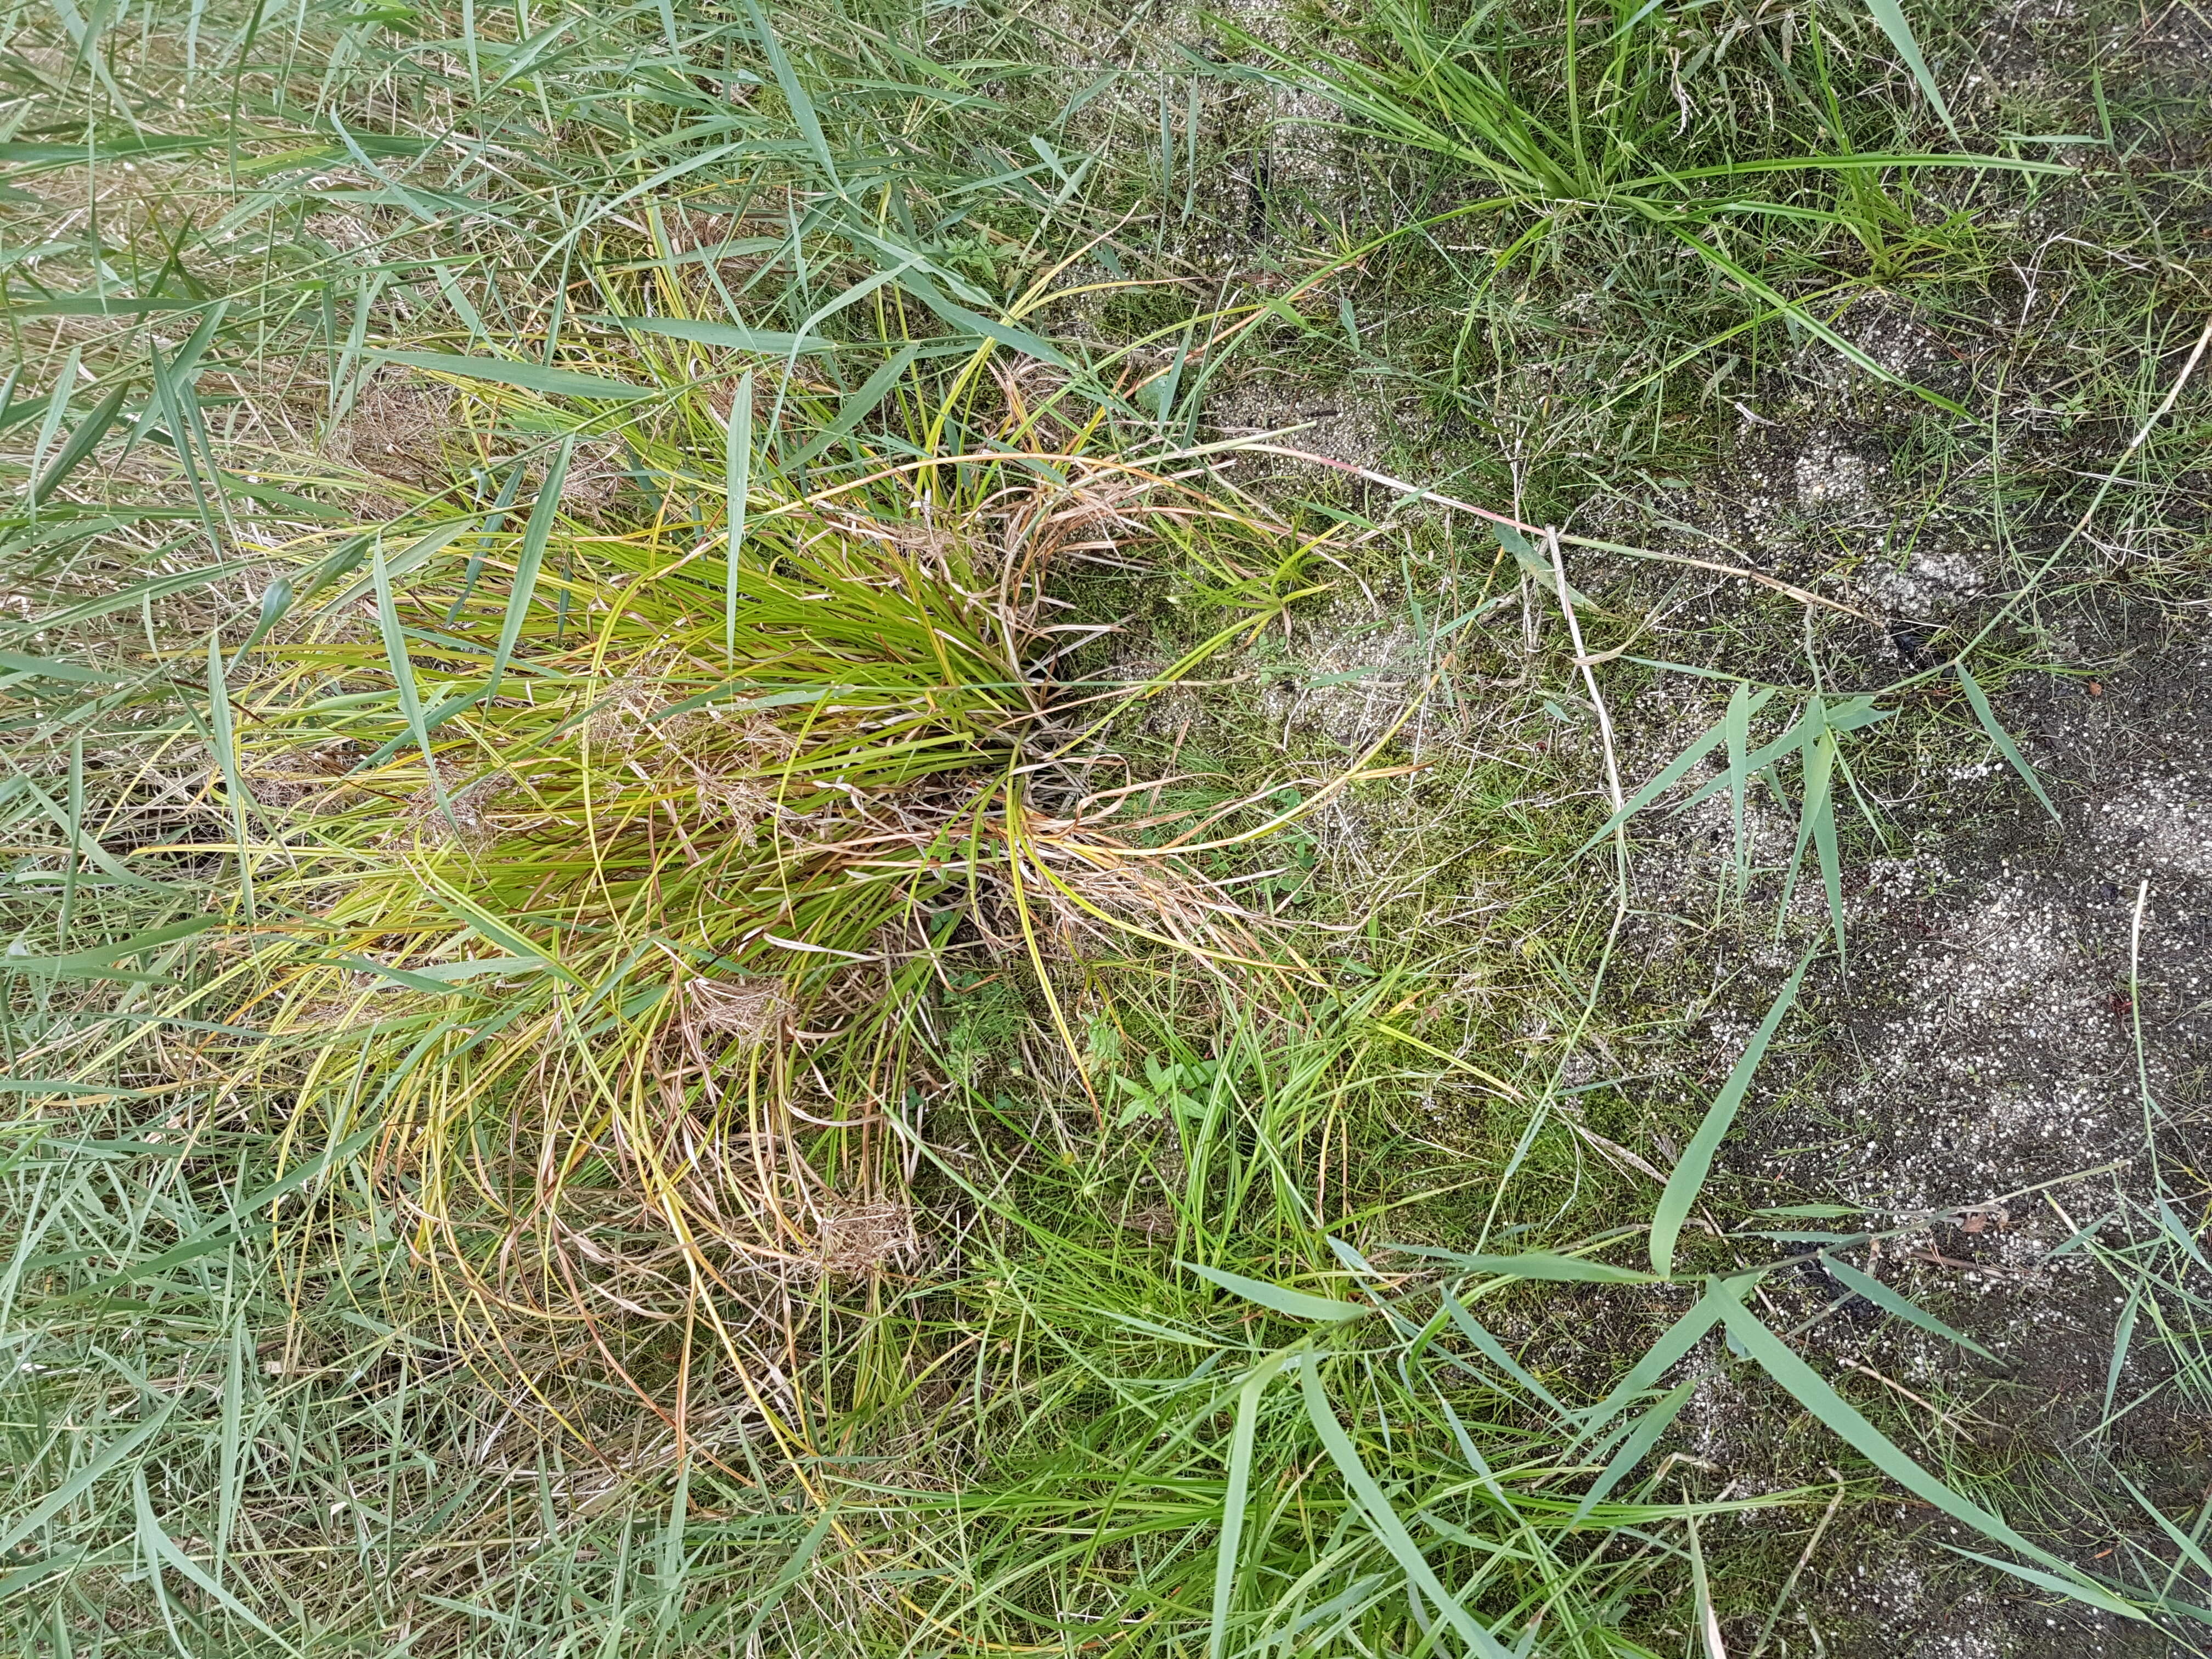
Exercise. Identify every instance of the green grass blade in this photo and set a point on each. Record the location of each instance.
(1688, 1178)
(859, 405)
(1297, 1304)
(537, 533)
(1820, 767)
(674, 1565)
(74, 829)
(1816, 719)
(2002, 739)
(92, 1470)
(226, 752)
(1670, 774)
(1763, 291)
(822, 313)
(443, 985)
(1735, 727)
(1843, 1419)
(734, 336)
(1821, 762)
(172, 398)
(482, 923)
(275, 600)
(161, 1552)
(1708, 1623)
(1673, 1344)
(1894, 24)
(1638, 1445)
(802, 112)
(126, 598)
(530, 377)
(99, 956)
(793, 1571)
(230, 1475)
(88, 847)
(402, 674)
(1375, 1509)
(2074, 1589)
(1240, 1441)
(1494, 1351)
(2123, 1330)
(493, 524)
(736, 480)
(1558, 1269)
(2187, 1545)
(56, 411)
(974, 322)
(412, 558)
(45, 668)
(1891, 1302)
(81, 442)
(181, 367)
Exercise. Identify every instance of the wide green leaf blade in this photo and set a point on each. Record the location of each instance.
(737, 481)
(1241, 1442)
(93, 959)
(81, 442)
(1821, 762)
(2074, 1589)
(162, 1550)
(859, 404)
(1297, 1304)
(1563, 1269)
(1672, 773)
(86, 845)
(402, 674)
(136, 594)
(45, 668)
(1890, 15)
(735, 336)
(1673, 1344)
(1639, 1442)
(82, 1481)
(485, 925)
(226, 754)
(1891, 1302)
(1843, 1419)
(1816, 719)
(537, 533)
(530, 377)
(1819, 766)
(794, 96)
(1494, 1351)
(1688, 1179)
(1375, 1507)
(2002, 739)
(1005, 334)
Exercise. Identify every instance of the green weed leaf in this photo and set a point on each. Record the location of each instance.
(1843, 1419)
(1688, 1179)
(2002, 739)
(734, 336)
(1637, 1445)
(46, 668)
(1297, 1304)
(1376, 1508)
(1890, 15)
(1566, 1269)
(1892, 1302)
(530, 377)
